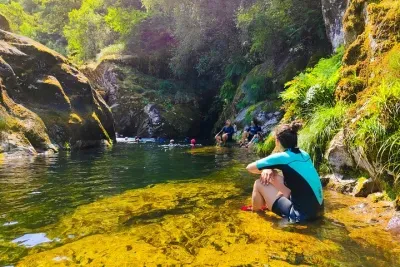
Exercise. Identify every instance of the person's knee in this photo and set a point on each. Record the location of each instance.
(258, 184)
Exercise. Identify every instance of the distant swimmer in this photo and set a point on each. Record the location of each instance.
(193, 142)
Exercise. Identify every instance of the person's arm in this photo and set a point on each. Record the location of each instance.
(270, 162)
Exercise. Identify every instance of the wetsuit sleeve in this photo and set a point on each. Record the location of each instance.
(270, 162)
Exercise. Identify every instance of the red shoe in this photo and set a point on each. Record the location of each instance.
(250, 208)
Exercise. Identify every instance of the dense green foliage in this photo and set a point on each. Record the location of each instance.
(319, 130)
(310, 97)
(313, 88)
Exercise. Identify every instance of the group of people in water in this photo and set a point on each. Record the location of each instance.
(250, 136)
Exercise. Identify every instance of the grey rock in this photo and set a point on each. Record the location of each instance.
(333, 12)
(394, 224)
(338, 155)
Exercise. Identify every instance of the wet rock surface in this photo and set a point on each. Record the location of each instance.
(45, 101)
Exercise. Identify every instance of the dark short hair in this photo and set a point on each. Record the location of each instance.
(287, 134)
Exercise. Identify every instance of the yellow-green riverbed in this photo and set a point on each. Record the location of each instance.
(146, 205)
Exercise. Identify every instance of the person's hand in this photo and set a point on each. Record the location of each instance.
(267, 176)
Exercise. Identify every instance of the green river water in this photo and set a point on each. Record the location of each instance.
(147, 205)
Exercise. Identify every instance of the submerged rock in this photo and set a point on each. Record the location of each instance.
(46, 102)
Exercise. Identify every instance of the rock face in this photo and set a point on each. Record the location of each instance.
(263, 112)
(143, 105)
(45, 100)
(338, 156)
(333, 12)
(4, 24)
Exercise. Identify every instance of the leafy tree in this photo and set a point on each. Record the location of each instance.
(86, 32)
(21, 22)
(122, 20)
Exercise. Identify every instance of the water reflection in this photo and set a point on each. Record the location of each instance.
(31, 240)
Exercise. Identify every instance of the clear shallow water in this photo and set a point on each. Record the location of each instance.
(34, 192)
(189, 213)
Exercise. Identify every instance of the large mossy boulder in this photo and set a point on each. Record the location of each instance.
(46, 101)
(144, 105)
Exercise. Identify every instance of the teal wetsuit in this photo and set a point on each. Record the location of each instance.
(300, 176)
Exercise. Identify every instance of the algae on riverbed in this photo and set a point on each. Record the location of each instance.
(199, 223)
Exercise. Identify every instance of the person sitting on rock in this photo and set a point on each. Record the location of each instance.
(297, 195)
(226, 134)
(250, 133)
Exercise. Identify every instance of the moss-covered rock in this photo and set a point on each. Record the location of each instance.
(144, 105)
(45, 100)
(370, 79)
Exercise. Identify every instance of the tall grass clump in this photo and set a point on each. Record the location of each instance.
(378, 132)
(320, 129)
